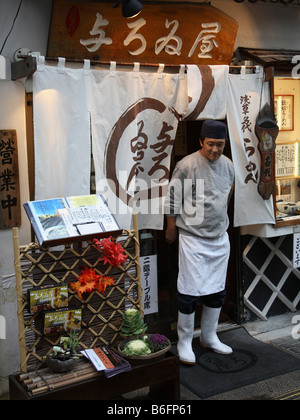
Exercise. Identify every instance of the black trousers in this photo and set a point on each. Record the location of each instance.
(188, 304)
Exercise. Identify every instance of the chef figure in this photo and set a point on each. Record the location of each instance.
(203, 182)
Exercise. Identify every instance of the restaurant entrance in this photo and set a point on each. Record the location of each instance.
(167, 259)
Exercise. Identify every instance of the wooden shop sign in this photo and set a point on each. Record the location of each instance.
(169, 33)
(10, 208)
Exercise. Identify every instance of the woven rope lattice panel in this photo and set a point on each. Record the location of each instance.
(101, 313)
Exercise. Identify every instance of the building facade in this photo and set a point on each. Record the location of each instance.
(264, 281)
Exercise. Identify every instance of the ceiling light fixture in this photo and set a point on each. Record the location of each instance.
(130, 8)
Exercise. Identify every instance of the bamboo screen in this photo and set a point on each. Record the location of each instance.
(101, 313)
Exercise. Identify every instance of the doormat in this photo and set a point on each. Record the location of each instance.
(252, 361)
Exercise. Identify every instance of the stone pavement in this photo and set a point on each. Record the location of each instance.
(282, 331)
(287, 343)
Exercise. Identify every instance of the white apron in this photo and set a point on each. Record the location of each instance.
(202, 265)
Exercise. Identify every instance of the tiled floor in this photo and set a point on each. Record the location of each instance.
(288, 343)
(282, 331)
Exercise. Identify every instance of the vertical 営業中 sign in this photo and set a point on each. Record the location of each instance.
(10, 206)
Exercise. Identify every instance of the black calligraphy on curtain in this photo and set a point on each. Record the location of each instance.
(251, 168)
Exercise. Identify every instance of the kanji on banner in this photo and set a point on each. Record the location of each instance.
(132, 118)
(247, 94)
(134, 124)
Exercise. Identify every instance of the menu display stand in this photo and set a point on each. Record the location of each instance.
(37, 266)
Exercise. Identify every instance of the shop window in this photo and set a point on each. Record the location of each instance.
(287, 155)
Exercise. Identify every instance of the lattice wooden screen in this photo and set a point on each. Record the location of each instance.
(265, 287)
(101, 314)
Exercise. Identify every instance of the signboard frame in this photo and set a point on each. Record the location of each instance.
(181, 33)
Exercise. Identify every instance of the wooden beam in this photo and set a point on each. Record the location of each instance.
(23, 68)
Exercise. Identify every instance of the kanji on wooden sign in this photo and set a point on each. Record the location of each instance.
(10, 206)
(169, 33)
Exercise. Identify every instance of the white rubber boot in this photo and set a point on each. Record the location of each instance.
(209, 325)
(185, 330)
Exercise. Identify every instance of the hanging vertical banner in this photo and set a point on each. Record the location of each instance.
(149, 284)
(61, 131)
(247, 94)
(207, 90)
(134, 117)
(10, 208)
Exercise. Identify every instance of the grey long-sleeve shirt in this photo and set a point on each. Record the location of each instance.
(198, 195)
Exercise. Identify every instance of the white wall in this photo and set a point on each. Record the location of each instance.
(31, 26)
(263, 25)
(260, 26)
(12, 116)
(30, 30)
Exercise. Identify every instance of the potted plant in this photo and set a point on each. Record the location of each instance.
(133, 323)
(147, 347)
(139, 346)
(64, 357)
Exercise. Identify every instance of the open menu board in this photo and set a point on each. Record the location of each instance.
(286, 160)
(61, 220)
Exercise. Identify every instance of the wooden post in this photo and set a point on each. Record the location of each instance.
(138, 262)
(15, 232)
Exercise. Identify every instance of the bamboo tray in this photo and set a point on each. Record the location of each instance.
(44, 380)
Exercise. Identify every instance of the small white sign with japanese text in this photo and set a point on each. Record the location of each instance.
(296, 251)
(149, 283)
